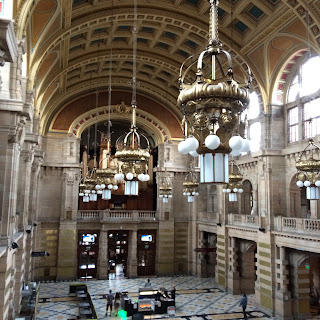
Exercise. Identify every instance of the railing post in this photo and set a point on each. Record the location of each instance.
(106, 214)
(135, 215)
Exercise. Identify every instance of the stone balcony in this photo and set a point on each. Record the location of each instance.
(116, 216)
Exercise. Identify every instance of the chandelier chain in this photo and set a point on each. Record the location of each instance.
(134, 65)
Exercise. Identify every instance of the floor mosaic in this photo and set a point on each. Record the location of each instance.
(196, 299)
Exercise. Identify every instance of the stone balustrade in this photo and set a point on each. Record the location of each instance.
(298, 225)
(243, 220)
(116, 215)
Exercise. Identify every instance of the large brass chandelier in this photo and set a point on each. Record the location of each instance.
(234, 187)
(212, 104)
(132, 157)
(308, 174)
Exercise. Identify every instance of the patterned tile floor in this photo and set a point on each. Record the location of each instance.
(196, 299)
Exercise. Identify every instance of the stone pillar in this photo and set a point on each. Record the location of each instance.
(222, 256)
(264, 285)
(103, 263)
(233, 274)
(70, 192)
(33, 213)
(132, 269)
(301, 289)
(6, 267)
(283, 296)
(165, 238)
(11, 138)
(19, 275)
(67, 251)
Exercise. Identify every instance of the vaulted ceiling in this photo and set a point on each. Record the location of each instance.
(72, 46)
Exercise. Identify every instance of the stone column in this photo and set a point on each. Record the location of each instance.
(19, 276)
(67, 251)
(11, 138)
(301, 292)
(165, 237)
(233, 274)
(33, 212)
(283, 296)
(132, 269)
(103, 263)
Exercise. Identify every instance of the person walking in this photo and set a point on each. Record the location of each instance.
(110, 299)
(243, 304)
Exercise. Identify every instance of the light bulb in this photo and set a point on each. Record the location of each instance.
(235, 143)
(300, 183)
(245, 145)
(194, 153)
(192, 144)
(182, 147)
(212, 141)
(307, 183)
(129, 175)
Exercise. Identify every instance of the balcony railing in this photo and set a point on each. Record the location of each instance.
(298, 225)
(116, 215)
(243, 220)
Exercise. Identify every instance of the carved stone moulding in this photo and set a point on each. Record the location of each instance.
(8, 43)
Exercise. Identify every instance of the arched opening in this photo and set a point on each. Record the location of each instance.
(247, 198)
(299, 204)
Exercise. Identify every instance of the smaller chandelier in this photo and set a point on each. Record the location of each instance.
(234, 186)
(308, 172)
(190, 186)
(165, 188)
(106, 182)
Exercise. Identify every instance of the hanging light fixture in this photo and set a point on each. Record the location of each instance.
(212, 105)
(87, 186)
(234, 186)
(165, 187)
(309, 171)
(132, 157)
(190, 186)
(105, 181)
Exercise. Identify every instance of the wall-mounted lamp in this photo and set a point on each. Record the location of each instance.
(14, 245)
(262, 229)
(28, 228)
(219, 224)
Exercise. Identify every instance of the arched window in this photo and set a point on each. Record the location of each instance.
(254, 126)
(254, 106)
(303, 116)
(305, 83)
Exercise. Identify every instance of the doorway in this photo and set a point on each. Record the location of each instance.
(88, 250)
(146, 252)
(117, 253)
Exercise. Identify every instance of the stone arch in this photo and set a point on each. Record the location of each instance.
(144, 120)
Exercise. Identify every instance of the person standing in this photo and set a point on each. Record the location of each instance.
(148, 284)
(243, 304)
(173, 293)
(110, 299)
(308, 215)
(116, 302)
